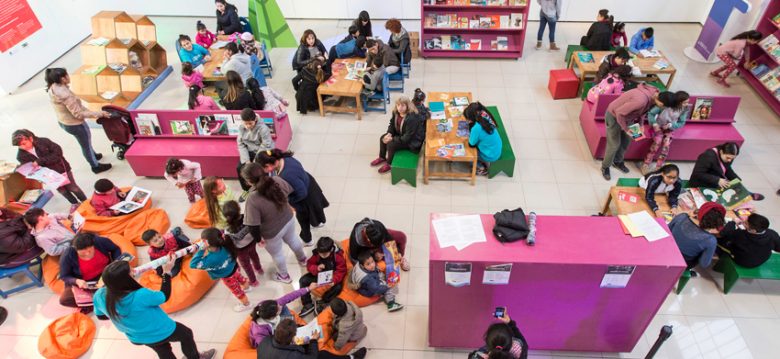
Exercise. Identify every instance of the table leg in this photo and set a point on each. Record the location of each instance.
(474, 172)
(359, 105)
(669, 82)
(606, 211)
(319, 100)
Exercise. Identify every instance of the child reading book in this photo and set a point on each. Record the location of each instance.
(185, 174)
(326, 256)
(200, 102)
(348, 323)
(218, 259)
(732, 53)
(267, 315)
(106, 195)
(370, 282)
(671, 115)
(752, 246)
(619, 38)
(243, 240)
(204, 37)
(49, 231)
(666, 180)
(191, 76)
(162, 245)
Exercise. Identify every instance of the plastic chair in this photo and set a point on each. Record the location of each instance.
(383, 97)
(406, 68)
(178, 47)
(257, 70)
(396, 77)
(245, 25)
(36, 280)
(265, 63)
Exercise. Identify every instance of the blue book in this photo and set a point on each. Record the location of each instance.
(436, 106)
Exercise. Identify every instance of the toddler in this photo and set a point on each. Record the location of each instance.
(619, 38)
(106, 195)
(162, 245)
(190, 76)
(267, 315)
(326, 257)
(347, 323)
(732, 52)
(185, 174)
(218, 259)
(199, 102)
(369, 282)
(217, 195)
(204, 37)
(243, 240)
(671, 112)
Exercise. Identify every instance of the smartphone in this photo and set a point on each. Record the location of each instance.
(500, 311)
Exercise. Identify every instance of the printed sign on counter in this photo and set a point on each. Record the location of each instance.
(497, 274)
(617, 276)
(457, 274)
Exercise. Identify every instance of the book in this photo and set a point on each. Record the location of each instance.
(516, 20)
(109, 95)
(30, 196)
(473, 23)
(731, 197)
(495, 21)
(134, 200)
(148, 124)
(475, 44)
(92, 70)
(182, 128)
(502, 43)
(649, 53)
(233, 124)
(776, 19)
(443, 21)
(50, 179)
(444, 125)
(452, 150)
(661, 64)
(484, 22)
(269, 122)
(99, 41)
(455, 111)
(457, 42)
(463, 129)
(585, 57)
(463, 22)
(325, 277)
(494, 45)
(636, 132)
(430, 20)
(434, 43)
(702, 109)
(77, 221)
(304, 333)
(437, 110)
(446, 43)
(460, 101)
(504, 21)
(209, 125)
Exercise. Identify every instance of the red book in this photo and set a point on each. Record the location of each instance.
(628, 197)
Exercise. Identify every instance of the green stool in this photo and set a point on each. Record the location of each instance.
(657, 84)
(570, 51)
(505, 163)
(585, 88)
(732, 271)
(404, 167)
(684, 278)
(627, 182)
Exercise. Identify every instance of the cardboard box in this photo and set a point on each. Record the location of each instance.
(414, 43)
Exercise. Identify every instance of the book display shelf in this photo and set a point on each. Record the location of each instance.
(763, 73)
(473, 28)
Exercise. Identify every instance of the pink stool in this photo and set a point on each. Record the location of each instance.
(563, 84)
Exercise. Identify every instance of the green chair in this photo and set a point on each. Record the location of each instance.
(505, 163)
(570, 51)
(627, 182)
(732, 271)
(684, 278)
(657, 84)
(404, 167)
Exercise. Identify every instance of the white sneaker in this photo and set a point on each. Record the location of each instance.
(248, 289)
(308, 244)
(240, 307)
(284, 279)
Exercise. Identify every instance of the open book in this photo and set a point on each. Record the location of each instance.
(50, 179)
(304, 333)
(325, 277)
(135, 200)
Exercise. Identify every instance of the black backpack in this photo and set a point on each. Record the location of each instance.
(511, 225)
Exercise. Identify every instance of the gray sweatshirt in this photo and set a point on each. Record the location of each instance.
(255, 140)
(240, 63)
(551, 8)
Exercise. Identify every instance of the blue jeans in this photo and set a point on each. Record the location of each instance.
(84, 137)
(544, 20)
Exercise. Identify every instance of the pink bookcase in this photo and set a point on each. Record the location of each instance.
(217, 155)
(515, 36)
(766, 26)
(689, 141)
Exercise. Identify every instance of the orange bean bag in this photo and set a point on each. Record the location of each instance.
(187, 287)
(67, 337)
(240, 347)
(51, 264)
(325, 320)
(198, 216)
(352, 295)
(129, 225)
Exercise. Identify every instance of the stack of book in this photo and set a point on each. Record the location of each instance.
(453, 21)
(457, 42)
(477, 2)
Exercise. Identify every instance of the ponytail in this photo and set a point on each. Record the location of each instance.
(257, 94)
(665, 169)
(264, 184)
(193, 100)
(478, 113)
(749, 35)
(269, 157)
(54, 75)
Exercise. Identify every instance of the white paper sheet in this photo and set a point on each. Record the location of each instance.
(457, 274)
(497, 274)
(459, 231)
(307, 330)
(647, 225)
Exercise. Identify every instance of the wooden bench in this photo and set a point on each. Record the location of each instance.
(505, 163)
(404, 167)
(732, 271)
(588, 85)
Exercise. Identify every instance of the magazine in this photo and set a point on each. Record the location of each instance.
(233, 123)
(50, 179)
(731, 197)
(135, 199)
(449, 151)
(636, 131)
(702, 109)
(585, 57)
(148, 124)
(182, 128)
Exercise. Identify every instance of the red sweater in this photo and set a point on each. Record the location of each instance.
(102, 202)
(340, 265)
(92, 268)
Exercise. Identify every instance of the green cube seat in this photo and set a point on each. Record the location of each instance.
(404, 167)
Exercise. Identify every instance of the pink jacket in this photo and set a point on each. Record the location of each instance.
(190, 172)
(102, 202)
(196, 78)
(733, 48)
(632, 105)
(205, 40)
(206, 103)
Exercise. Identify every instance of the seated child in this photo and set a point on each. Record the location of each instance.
(162, 245)
(752, 246)
(218, 259)
(267, 315)
(347, 323)
(369, 282)
(106, 195)
(311, 76)
(665, 180)
(191, 76)
(250, 46)
(671, 115)
(48, 230)
(642, 40)
(611, 62)
(484, 137)
(204, 37)
(267, 99)
(326, 257)
(185, 174)
(419, 101)
(199, 102)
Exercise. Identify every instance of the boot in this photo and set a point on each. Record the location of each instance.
(538, 45)
(554, 47)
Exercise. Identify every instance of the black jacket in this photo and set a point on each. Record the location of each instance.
(15, 240)
(652, 185)
(749, 250)
(306, 96)
(365, 31)
(270, 349)
(402, 46)
(49, 155)
(708, 171)
(303, 57)
(599, 37)
(229, 22)
(244, 100)
(412, 131)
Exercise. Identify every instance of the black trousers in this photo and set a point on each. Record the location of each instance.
(71, 191)
(181, 334)
(303, 217)
(244, 185)
(388, 150)
(331, 293)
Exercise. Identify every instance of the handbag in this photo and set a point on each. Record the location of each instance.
(511, 225)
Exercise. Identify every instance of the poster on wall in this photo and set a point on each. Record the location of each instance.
(17, 22)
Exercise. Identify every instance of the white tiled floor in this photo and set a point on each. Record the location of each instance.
(554, 175)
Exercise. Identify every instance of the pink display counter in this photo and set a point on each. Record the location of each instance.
(217, 155)
(554, 292)
(689, 141)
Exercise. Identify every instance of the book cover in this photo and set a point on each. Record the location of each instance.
(453, 20)
(433, 43)
(233, 123)
(636, 132)
(474, 23)
(460, 101)
(585, 57)
(430, 20)
(135, 199)
(484, 22)
(503, 43)
(182, 128)
(148, 124)
(446, 43)
(776, 19)
(503, 21)
(30, 196)
(495, 21)
(493, 45)
(661, 64)
(516, 20)
(437, 110)
(456, 42)
(269, 122)
(476, 44)
(463, 129)
(209, 125)
(463, 22)
(731, 197)
(702, 109)
(93, 69)
(50, 179)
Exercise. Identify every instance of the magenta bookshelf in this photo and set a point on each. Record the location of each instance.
(764, 74)
(473, 28)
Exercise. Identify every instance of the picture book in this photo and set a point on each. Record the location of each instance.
(455, 111)
(776, 19)
(649, 53)
(30, 196)
(661, 64)
(50, 179)
(760, 70)
(430, 20)
(209, 125)
(433, 43)
(457, 42)
(444, 125)
(519, 2)
(495, 21)
(585, 57)
(702, 109)
(182, 128)
(443, 20)
(99, 41)
(435, 142)
(92, 70)
(325, 277)
(437, 109)
(628, 197)
(460, 101)
(504, 21)
(474, 23)
(516, 20)
(484, 22)
(463, 129)
(493, 44)
(269, 122)
(636, 131)
(148, 124)
(463, 22)
(503, 43)
(233, 124)
(731, 197)
(78, 221)
(453, 150)
(135, 199)
(446, 43)
(304, 333)
(475, 44)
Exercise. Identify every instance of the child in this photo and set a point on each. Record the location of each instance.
(611, 62)
(249, 46)
(267, 99)
(370, 282)
(105, 196)
(419, 101)
(204, 37)
(191, 76)
(484, 137)
(216, 195)
(347, 323)
(200, 102)
(267, 315)
(162, 245)
(243, 240)
(218, 259)
(53, 236)
(732, 52)
(619, 38)
(502, 340)
(665, 118)
(326, 257)
(665, 180)
(752, 246)
(642, 40)
(185, 174)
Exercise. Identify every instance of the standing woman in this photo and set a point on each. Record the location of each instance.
(363, 22)
(227, 18)
(399, 40)
(599, 36)
(135, 311)
(306, 197)
(72, 115)
(548, 15)
(269, 217)
(43, 152)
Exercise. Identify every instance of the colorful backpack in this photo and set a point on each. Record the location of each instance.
(610, 85)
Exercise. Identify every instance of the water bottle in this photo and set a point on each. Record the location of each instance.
(531, 240)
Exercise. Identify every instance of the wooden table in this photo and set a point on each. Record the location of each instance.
(644, 64)
(626, 207)
(216, 61)
(342, 88)
(450, 138)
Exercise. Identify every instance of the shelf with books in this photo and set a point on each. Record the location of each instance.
(458, 30)
(767, 55)
(473, 7)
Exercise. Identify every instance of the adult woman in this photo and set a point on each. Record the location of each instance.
(236, 97)
(252, 138)
(306, 196)
(135, 311)
(72, 115)
(363, 23)
(697, 243)
(666, 180)
(484, 137)
(599, 35)
(227, 18)
(549, 14)
(405, 131)
(17, 245)
(84, 262)
(713, 168)
(503, 340)
(369, 235)
(269, 217)
(50, 233)
(399, 40)
(310, 49)
(281, 345)
(43, 152)
(192, 53)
